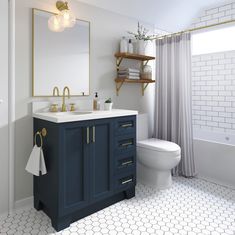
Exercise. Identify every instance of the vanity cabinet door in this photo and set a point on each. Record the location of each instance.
(101, 158)
(74, 165)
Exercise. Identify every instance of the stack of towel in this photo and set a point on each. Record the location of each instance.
(129, 73)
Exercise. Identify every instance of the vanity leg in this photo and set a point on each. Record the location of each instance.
(60, 224)
(130, 193)
(37, 204)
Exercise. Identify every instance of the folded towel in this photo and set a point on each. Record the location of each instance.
(36, 162)
(129, 70)
(129, 73)
(133, 78)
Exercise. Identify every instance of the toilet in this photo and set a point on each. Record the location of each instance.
(155, 158)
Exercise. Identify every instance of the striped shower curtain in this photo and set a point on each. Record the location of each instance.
(173, 106)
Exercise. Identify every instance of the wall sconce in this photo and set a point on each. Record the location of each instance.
(65, 18)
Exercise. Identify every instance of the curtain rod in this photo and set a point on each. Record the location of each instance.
(198, 28)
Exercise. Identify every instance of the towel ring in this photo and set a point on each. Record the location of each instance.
(35, 138)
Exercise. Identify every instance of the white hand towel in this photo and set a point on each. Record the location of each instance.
(43, 168)
(36, 162)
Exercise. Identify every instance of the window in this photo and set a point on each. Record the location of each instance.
(213, 41)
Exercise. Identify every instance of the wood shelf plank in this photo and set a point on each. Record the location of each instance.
(134, 56)
(126, 80)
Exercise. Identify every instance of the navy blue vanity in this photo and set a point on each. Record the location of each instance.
(91, 165)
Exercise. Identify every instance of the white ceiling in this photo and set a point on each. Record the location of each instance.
(169, 15)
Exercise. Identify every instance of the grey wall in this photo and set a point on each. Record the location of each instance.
(106, 31)
(4, 107)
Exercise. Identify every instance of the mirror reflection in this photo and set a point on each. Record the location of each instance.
(60, 58)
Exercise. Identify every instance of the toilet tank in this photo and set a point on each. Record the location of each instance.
(142, 127)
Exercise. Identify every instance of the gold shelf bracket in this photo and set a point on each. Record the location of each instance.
(118, 87)
(118, 62)
(144, 86)
(144, 63)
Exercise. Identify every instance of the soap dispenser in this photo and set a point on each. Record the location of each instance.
(96, 102)
(123, 45)
(130, 47)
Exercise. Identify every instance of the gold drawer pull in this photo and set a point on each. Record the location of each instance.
(93, 134)
(126, 125)
(88, 135)
(127, 181)
(126, 144)
(126, 163)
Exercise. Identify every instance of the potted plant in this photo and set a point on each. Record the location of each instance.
(142, 39)
(108, 104)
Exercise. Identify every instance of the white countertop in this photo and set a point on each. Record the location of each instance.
(82, 115)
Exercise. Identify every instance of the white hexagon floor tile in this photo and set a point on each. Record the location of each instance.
(189, 207)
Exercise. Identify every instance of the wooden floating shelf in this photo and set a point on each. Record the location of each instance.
(144, 61)
(143, 82)
(126, 80)
(134, 56)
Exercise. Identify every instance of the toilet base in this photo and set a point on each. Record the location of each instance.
(153, 178)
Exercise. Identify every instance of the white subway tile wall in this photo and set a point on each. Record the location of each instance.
(214, 79)
(214, 91)
(215, 15)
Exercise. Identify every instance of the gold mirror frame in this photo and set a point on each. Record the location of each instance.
(33, 30)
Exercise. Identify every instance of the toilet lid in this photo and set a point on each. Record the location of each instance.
(159, 145)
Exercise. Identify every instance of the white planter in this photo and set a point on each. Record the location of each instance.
(144, 47)
(141, 47)
(108, 106)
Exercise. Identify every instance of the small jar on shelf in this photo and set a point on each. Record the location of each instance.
(146, 73)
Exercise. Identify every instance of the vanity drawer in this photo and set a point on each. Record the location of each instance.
(125, 125)
(125, 181)
(125, 162)
(125, 143)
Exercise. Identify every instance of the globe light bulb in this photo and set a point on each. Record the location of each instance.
(68, 19)
(55, 23)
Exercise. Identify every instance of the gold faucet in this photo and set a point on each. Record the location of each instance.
(56, 90)
(64, 109)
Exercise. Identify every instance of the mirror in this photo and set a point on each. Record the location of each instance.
(60, 58)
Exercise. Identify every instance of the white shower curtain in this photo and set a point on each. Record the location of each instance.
(173, 109)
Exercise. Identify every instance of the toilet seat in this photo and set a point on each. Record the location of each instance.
(162, 146)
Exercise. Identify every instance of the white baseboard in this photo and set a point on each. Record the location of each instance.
(215, 181)
(24, 203)
(19, 205)
(3, 215)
